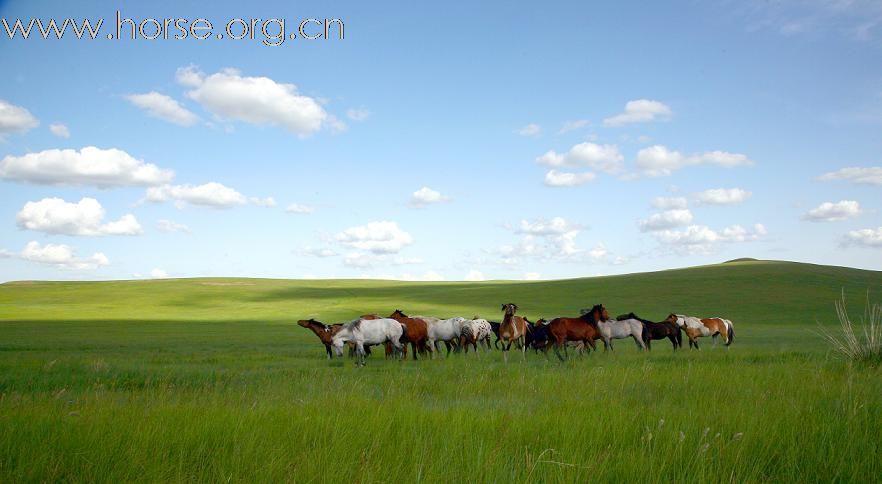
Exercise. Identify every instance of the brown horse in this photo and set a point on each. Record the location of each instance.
(512, 328)
(324, 332)
(390, 351)
(416, 331)
(582, 329)
(697, 327)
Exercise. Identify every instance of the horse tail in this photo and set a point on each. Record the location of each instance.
(730, 332)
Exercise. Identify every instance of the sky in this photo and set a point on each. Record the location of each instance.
(441, 141)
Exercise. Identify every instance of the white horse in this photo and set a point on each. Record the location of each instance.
(475, 332)
(446, 330)
(368, 332)
(612, 329)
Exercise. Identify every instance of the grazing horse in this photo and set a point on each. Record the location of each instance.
(494, 326)
(324, 332)
(619, 329)
(416, 331)
(445, 330)
(512, 328)
(660, 330)
(368, 332)
(583, 329)
(474, 332)
(697, 327)
(388, 346)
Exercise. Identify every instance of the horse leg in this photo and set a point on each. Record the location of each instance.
(328, 351)
(640, 345)
(557, 350)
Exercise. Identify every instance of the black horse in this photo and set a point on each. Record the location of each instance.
(538, 336)
(494, 326)
(653, 330)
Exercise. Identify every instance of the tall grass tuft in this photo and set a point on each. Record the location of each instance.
(850, 344)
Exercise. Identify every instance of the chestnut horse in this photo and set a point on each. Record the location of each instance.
(697, 327)
(416, 331)
(324, 332)
(582, 329)
(512, 328)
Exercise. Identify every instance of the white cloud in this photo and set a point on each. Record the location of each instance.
(555, 226)
(834, 212)
(257, 100)
(89, 166)
(532, 276)
(320, 252)
(700, 239)
(573, 125)
(297, 208)
(210, 195)
(605, 158)
(55, 216)
(60, 130)
(554, 178)
(163, 107)
(598, 252)
(62, 256)
(670, 203)
(5, 254)
(426, 196)
(639, 111)
(263, 202)
(158, 274)
(722, 196)
(658, 160)
(381, 237)
(358, 115)
(15, 119)
(531, 129)
(871, 175)
(865, 237)
(170, 226)
(475, 276)
(666, 220)
(360, 260)
(543, 240)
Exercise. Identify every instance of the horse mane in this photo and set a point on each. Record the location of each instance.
(638, 318)
(589, 315)
(401, 313)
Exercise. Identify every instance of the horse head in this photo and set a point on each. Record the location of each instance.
(509, 309)
(673, 319)
(398, 314)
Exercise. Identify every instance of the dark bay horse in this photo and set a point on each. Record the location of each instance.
(324, 332)
(660, 330)
(582, 329)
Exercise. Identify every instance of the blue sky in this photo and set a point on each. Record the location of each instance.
(446, 141)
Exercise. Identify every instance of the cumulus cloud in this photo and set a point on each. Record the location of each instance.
(531, 129)
(256, 100)
(871, 175)
(86, 217)
(670, 203)
(426, 196)
(163, 107)
(543, 240)
(865, 237)
(639, 111)
(62, 256)
(604, 158)
(170, 226)
(474, 276)
(90, 166)
(555, 226)
(263, 202)
(722, 196)
(834, 212)
(60, 130)
(211, 194)
(659, 160)
(15, 119)
(573, 125)
(358, 115)
(299, 209)
(381, 237)
(666, 220)
(554, 178)
(700, 239)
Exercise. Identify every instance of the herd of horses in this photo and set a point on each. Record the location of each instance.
(424, 334)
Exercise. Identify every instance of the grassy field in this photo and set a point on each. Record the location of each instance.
(211, 380)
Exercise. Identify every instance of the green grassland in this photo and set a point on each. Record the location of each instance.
(212, 380)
